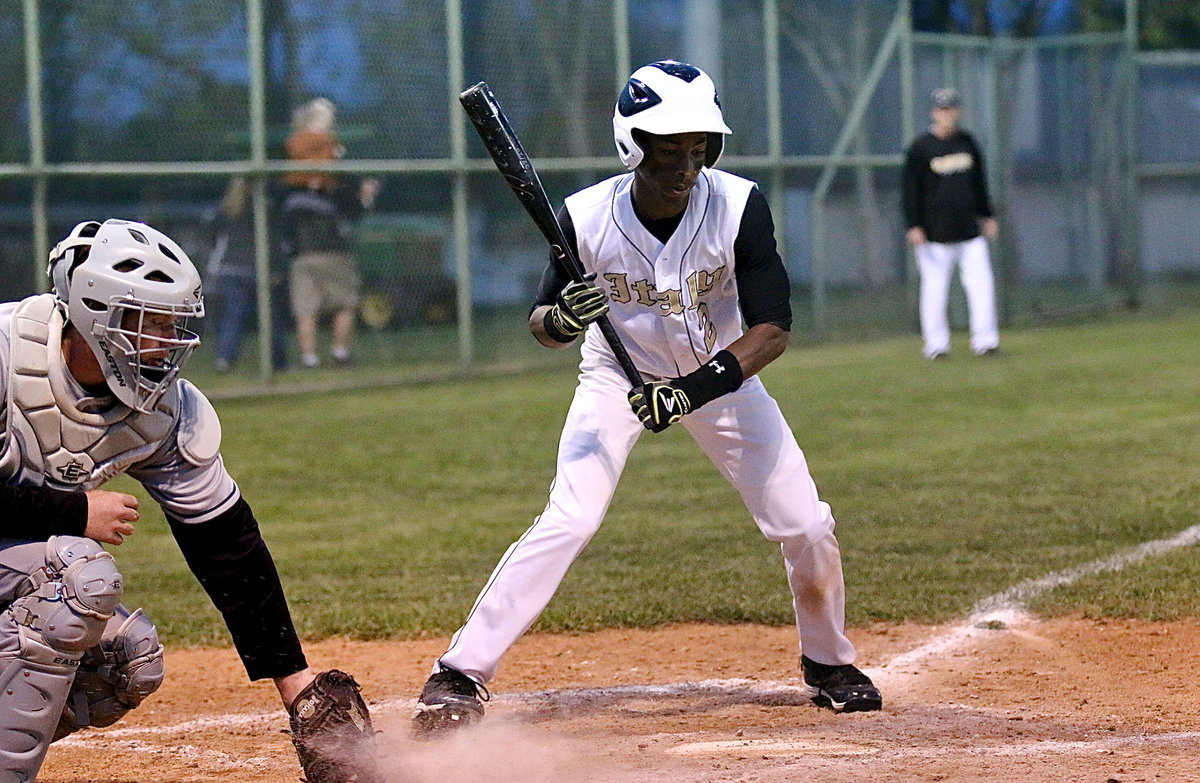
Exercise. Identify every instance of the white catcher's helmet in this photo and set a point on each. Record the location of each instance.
(668, 97)
(103, 271)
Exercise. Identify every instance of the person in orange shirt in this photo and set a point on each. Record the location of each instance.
(318, 214)
(313, 138)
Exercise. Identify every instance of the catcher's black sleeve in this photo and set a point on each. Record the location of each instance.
(229, 557)
(40, 512)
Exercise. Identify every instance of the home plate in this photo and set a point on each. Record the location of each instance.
(767, 747)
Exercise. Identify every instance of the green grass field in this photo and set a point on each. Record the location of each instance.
(386, 509)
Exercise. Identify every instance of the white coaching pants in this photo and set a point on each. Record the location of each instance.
(746, 437)
(936, 262)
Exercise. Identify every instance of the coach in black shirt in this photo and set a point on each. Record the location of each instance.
(949, 219)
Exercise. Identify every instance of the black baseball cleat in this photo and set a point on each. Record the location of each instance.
(449, 700)
(840, 688)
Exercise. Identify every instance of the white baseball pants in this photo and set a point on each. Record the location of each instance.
(936, 262)
(746, 437)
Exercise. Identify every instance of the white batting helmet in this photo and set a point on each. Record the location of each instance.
(668, 97)
(101, 272)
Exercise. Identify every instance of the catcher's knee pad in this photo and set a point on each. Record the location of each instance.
(116, 675)
(43, 635)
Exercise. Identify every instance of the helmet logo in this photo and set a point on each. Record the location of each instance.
(112, 362)
(677, 69)
(636, 97)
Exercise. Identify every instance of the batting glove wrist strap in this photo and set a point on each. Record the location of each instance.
(559, 328)
(717, 377)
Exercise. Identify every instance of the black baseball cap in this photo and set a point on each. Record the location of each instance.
(946, 98)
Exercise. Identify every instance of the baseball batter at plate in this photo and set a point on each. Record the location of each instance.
(89, 380)
(679, 254)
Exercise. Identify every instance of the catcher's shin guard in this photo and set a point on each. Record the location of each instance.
(333, 733)
(116, 675)
(43, 634)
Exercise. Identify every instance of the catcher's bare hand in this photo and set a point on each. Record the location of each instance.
(333, 733)
(110, 516)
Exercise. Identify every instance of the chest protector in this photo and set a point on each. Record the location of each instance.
(50, 441)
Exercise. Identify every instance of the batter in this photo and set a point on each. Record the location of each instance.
(678, 255)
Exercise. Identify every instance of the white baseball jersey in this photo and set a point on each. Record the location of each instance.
(674, 305)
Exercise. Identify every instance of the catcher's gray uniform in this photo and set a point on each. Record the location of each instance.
(57, 441)
(90, 388)
(55, 435)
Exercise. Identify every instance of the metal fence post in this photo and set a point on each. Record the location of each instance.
(778, 193)
(837, 156)
(460, 206)
(255, 52)
(37, 142)
(1131, 251)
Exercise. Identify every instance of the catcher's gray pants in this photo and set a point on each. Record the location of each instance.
(58, 599)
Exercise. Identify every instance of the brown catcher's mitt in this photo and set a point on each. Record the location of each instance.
(332, 731)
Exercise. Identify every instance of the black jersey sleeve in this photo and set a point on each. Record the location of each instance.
(553, 280)
(915, 164)
(764, 292)
(983, 205)
(41, 512)
(230, 559)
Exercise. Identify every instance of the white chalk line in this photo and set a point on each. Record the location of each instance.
(1001, 610)
(1008, 607)
(1001, 748)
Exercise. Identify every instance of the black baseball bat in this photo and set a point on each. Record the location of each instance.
(512, 161)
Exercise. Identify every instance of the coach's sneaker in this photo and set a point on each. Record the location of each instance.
(840, 688)
(449, 700)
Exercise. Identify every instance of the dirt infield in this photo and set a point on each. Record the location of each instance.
(1062, 700)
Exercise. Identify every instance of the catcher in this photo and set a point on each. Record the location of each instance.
(89, 378)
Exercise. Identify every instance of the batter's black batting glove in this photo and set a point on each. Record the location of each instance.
(578, 304)
(662, 403)
(658, 405)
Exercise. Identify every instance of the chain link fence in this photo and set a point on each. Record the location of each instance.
(146, 110)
